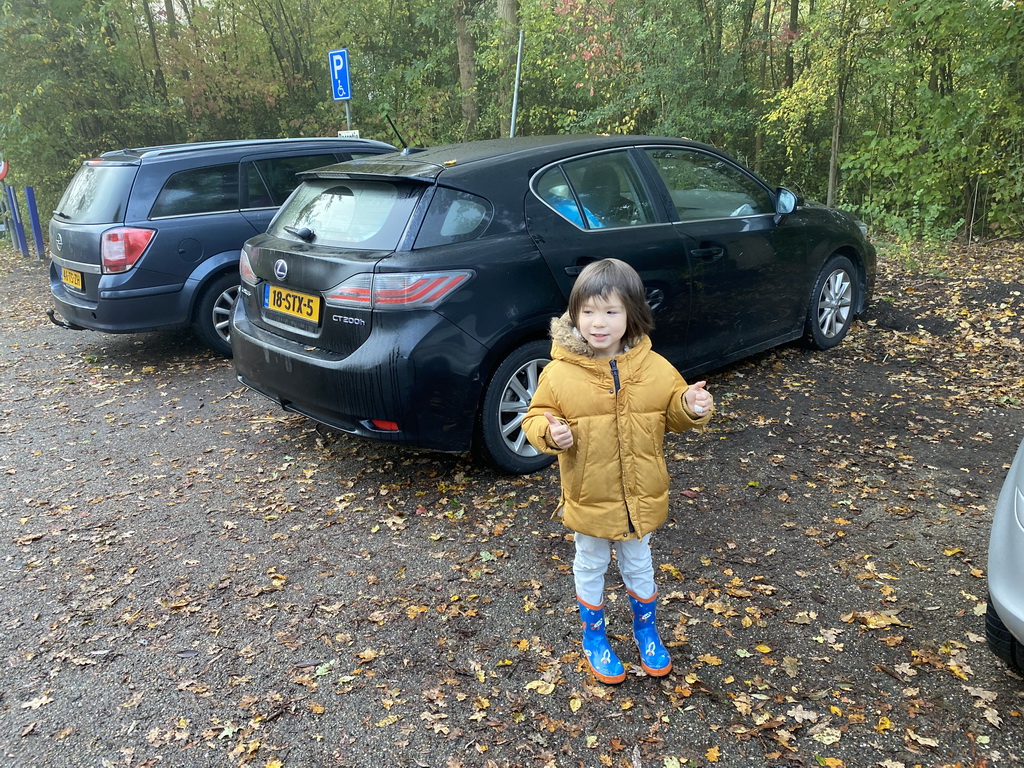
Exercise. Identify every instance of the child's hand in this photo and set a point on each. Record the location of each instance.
(698, 399)
(561, 435)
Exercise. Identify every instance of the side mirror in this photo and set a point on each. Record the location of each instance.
(785, 202)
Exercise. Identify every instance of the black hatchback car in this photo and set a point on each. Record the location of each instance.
(407, 297)
(148, 239)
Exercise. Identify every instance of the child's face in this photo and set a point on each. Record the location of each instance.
(602, 322)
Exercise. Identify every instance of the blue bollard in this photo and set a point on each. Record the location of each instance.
(33, 217)
(19, 230)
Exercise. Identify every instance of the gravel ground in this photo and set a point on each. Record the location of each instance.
(194, 578)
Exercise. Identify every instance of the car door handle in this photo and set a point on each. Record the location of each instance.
(707, 253)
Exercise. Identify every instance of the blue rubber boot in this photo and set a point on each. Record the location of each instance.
(654, 657)
(602, 659)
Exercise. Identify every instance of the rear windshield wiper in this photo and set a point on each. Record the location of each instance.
(61, 215)
(303, 233)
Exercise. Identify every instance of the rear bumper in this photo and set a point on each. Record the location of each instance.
(121, 311)
(422, 375)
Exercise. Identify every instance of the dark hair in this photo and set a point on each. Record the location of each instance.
(607, 276)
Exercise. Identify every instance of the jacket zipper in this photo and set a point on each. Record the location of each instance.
(615, 379)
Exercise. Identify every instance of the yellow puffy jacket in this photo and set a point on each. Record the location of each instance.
(614, 479)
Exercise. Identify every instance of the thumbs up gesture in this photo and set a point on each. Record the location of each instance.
(698, 399)
(560, 433)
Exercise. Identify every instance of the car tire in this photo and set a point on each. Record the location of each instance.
(500, 438)
(1001, 642)
(213, 313)
(831, 310)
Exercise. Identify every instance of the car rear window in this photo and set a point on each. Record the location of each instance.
(198, 190)
(370, 215)
(98, 194)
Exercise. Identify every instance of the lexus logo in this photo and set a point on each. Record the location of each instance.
(280, 269)
(59, 242)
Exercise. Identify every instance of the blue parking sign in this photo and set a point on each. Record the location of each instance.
(341, 86)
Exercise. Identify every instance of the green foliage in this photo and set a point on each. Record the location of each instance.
(929, 146)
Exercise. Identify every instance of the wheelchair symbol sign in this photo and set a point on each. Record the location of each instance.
(341, 86)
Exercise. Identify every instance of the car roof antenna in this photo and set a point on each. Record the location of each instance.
(400, 139)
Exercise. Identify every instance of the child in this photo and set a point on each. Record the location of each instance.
(602, 406)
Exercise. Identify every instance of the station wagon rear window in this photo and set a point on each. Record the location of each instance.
(98, 194)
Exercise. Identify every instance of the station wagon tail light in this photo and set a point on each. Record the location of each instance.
(407, 290)
(122, 247)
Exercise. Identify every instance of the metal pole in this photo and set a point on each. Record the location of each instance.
(515, 92)
(348, 117)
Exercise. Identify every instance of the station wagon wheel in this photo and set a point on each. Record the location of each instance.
(213, 313)
(500, 440)
(833, 302)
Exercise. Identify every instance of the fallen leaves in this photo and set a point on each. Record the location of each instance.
(872, 619)
(37, 702)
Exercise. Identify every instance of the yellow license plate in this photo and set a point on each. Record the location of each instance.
(287, 302)
(71, 277)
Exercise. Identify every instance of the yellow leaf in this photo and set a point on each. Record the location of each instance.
(763, 648)
(707, 658)
(575, 703)
(415, 610)
(316, 708)
(712, 755)
(884, 724)
(542, 687)
(950, 551)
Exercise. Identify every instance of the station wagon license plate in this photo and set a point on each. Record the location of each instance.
(71, 278)
(288, 302)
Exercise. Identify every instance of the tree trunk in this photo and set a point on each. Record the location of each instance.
(159, 81)
(467, 69)
(794, 21)
(837, 131)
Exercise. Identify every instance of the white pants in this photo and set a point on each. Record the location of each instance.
(591, 563)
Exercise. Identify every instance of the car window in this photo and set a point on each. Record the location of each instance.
(703, 186)
(453, 217)
(98, 194)
(597, 191)
(198, 190)
(369, 215)
(272, 179)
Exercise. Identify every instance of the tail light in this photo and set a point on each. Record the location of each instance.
(245, 270)
(412, 290)
(122, 247)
